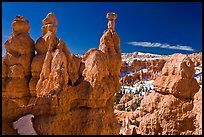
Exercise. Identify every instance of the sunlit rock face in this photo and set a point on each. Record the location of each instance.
(16, 70)
(16, 63)
(171, 109)
(110, 45)
(67, 94)
(197, 110)
(177, 77)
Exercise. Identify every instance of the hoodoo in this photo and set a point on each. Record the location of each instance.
(66, 94)
(16, 70)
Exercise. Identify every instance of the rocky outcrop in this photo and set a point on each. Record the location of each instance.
(125, 67)
(16, 63)
(197, 109)
(126, 97)
(169, 110)
(47, 40)
(154, 65)
(110, 45)
(16, 70)
(127, 128)
(70, 95)
(177, 73)
(141, 70)
(196, 58)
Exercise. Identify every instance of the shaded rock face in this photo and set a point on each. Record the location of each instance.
(69, 95)
(170, 110)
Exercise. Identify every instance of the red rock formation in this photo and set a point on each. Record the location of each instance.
(135, 114)
(70, 95)
(16, 69)
(153, 68)
(125, 67)
(59, 69)
(138, 64)
(3, 76)
(16, 63)
(169, 109)
(196, 58)
(197, 109)
(176, 74)
(110, 45)
(128, 129)
(128, 79)
(126, 97)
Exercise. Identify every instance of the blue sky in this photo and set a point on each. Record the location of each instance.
(156, 27)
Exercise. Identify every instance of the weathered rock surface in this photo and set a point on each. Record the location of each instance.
(110, 45)
(16, 63)
(141, 70)
(126, 97)
(16, 71)
(177, 77)
(169, 110)
(197, 109)
(127, 128)
(196, 58)
(154, 65)
(69, 95)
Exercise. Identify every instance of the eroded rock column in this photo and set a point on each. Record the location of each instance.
(49, 46)
(41, 47)
(17, 61)
(16, 66)
(110, 45)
